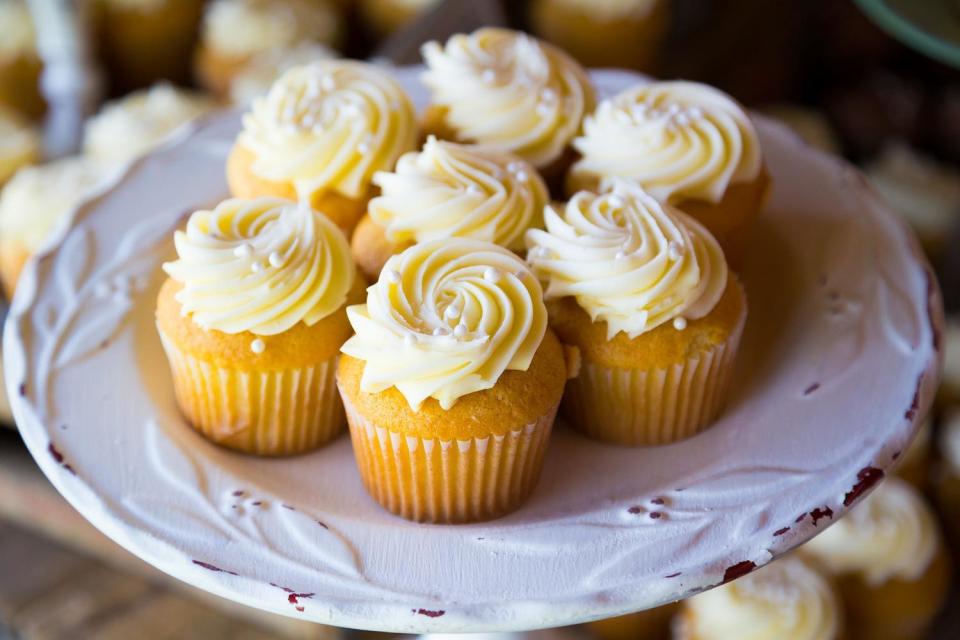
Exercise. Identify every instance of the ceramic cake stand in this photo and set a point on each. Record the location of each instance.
(839, 363)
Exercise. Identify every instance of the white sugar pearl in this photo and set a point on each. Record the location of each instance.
(695, 113)
(616, 200)
(363, 148)
(452, 311)
(620, 255)
(409, 339)
(548, 95)
(491, 274)
(489, 76)
(440, 331)
(514, 167)
(275, 259)
(392, 276)
(674, 251)
(256, 267)
(679, 323)
(243, 251)
(460, 331)
(522, 176)
(474, 190)
(327, 82)
(258, 346)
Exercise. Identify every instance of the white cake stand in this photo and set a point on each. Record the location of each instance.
(839, 363)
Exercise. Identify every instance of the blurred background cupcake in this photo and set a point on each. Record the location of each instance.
(604, 33)
(132, 33)
(19, 144)
(20, 63)
(235, 31)
(383, 17)
(127, 128)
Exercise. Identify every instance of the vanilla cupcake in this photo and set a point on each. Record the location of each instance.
(263, 69)
(651, 624)
(20, 64)
(143, 41)
(449, 190)
(889, 561)
(913, 464)
(508, 91)
(132, 126)
(383, 17)
(35, 201)
(19, 144)
(948, 393)
(643, 292)
(235, 31)
(252, 318)
(451, 382)
(686, 144)
(320, 134)
(604, 33)
(785, 600)
(948, 472)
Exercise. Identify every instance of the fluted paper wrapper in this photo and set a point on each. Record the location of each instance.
(449, 481)
(272, 413)
(637, 407)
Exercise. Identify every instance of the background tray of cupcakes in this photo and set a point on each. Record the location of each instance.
(577, 409)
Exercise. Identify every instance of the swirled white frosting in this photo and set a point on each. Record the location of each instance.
(329, 126)
(263, 69)
(132, 126)
(605, 10)
(679, 140)
(509, 91)
(19, 144)
(261, 266)
(37, 198)
(786, 599)
(245, 27)
(445, 319)
(891, 534)
(16, 23)
(629, 260)
(450, 190)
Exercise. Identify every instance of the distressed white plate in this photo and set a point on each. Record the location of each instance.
(840, 361)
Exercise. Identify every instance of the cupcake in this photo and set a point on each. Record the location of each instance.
(949, 392)
(19, 144)
(20, 64)
(913, 464)
(785, 600)
(449, 190)
(652, 624)
(687, 144)
(35, 201)
(383, 17)
(609, 33)
(508, 91)
(235, 31)
(320, 134)
(258, 75)
(889, 561)
(451, 382)
(143, 41)
(130, 127)
(948, 472)
(643, 292)
(252, 318)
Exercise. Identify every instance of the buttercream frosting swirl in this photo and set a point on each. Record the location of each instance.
(509, 91)
(261, 266)
(329, 126)
(786, 599)
(19, 144)
(447, 318)
(37, 198)
(451, 190)
(629, 260)
(19, 37)
(130, 127)
(891, 534)
(679, 140)
(242, 28)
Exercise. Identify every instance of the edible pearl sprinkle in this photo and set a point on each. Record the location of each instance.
(257, 346)
(673, 251)
(243, 251)
(489, 76)
(474, 190)
(460, 331)
(363, 148)
(679, 324)
(452, 311)
(275, 259)
(392, 276)
(620, 255)
(409, 339)
(327, 82)
(491, 275)
(440, 331)
(521, 176)
(616, 201)
(256, 267)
